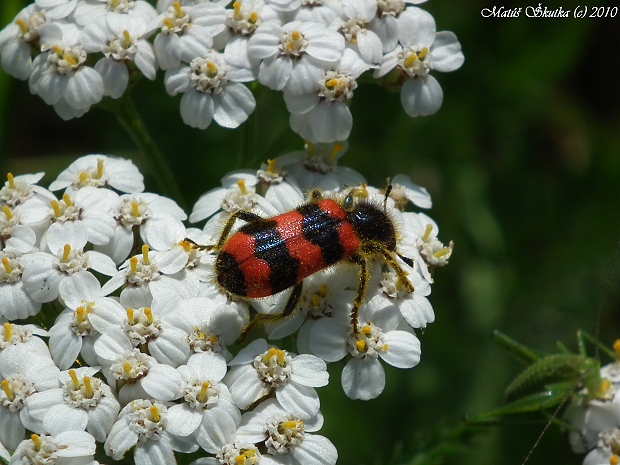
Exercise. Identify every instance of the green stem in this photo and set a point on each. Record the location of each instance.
(127, 115)
(247, 142)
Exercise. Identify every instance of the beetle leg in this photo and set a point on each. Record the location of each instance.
(230, 222)
(316, 195)
(402, 274)
(364, 277)
(388, 255)
(241, 215)
(261, 318)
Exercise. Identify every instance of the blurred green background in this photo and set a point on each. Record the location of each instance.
(523, 164)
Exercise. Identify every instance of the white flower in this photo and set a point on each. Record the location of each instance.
(324, 293)
(284, 433)
(83, 402)
(15, 238)
(241, 21)
(16, 302)
(322, 113)
(138, 374)
(238, 192)
(68, 448)
(44, 271)
(186, 33)
(146, 326)
(88, 209)
(23, 372)
(317, 166)
(358, 14)
(18, 39)
(414, 306)
(121, 39)
(17, 190)
(17, 341)
(404, 190)
(385, 24)
(91, 10)
(163, 5)
(88, 314)
(294, 54)
(143, 423)
(210, 92)
(206, 399)
(210, 324)
(100, 171)
(284, 5)
(323, 11)
(260, 369)
(60, 76)
(57, 9)
(432, 250)
(142, 277)
(147, 211)
(363, 376)
(421, 50)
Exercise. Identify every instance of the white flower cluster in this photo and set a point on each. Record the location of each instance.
(314, 51)
(595, 424)
(135, 300)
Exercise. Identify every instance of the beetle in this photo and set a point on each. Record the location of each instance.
(269, 255)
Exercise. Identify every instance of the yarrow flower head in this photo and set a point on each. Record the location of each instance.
(144, 345)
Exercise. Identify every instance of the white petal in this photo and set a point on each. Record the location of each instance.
(275, 71)
(101, 263)
(85, 88)
(325, 44)
(154, 452)
(265, 41)
(11, 430)
(195, 43)
(65, 346)
(446, 52)
(301, 103)
(162, 382)
(101, 419)
(421, 97)
(183, 420)
(197, 109)
(16, 60)
(416, 28)
(61, 417)
(51, 87)
(301, 401)
(218, 430)
(363, 379)
(306, 76)
(171, 347)
(327, 340)
(370, 46)
(331, 121)
(115, 76)
(177, 80)
(145, 59)
(247, 388)
(309, 371)
(75, 444)
(403, 349)
(209, 364)
(417, 311)
(315, 450)
(167, 50)
(233, 105)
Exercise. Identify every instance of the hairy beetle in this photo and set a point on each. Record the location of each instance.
(268, 255)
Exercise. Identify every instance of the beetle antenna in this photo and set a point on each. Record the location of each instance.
(388, 190)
